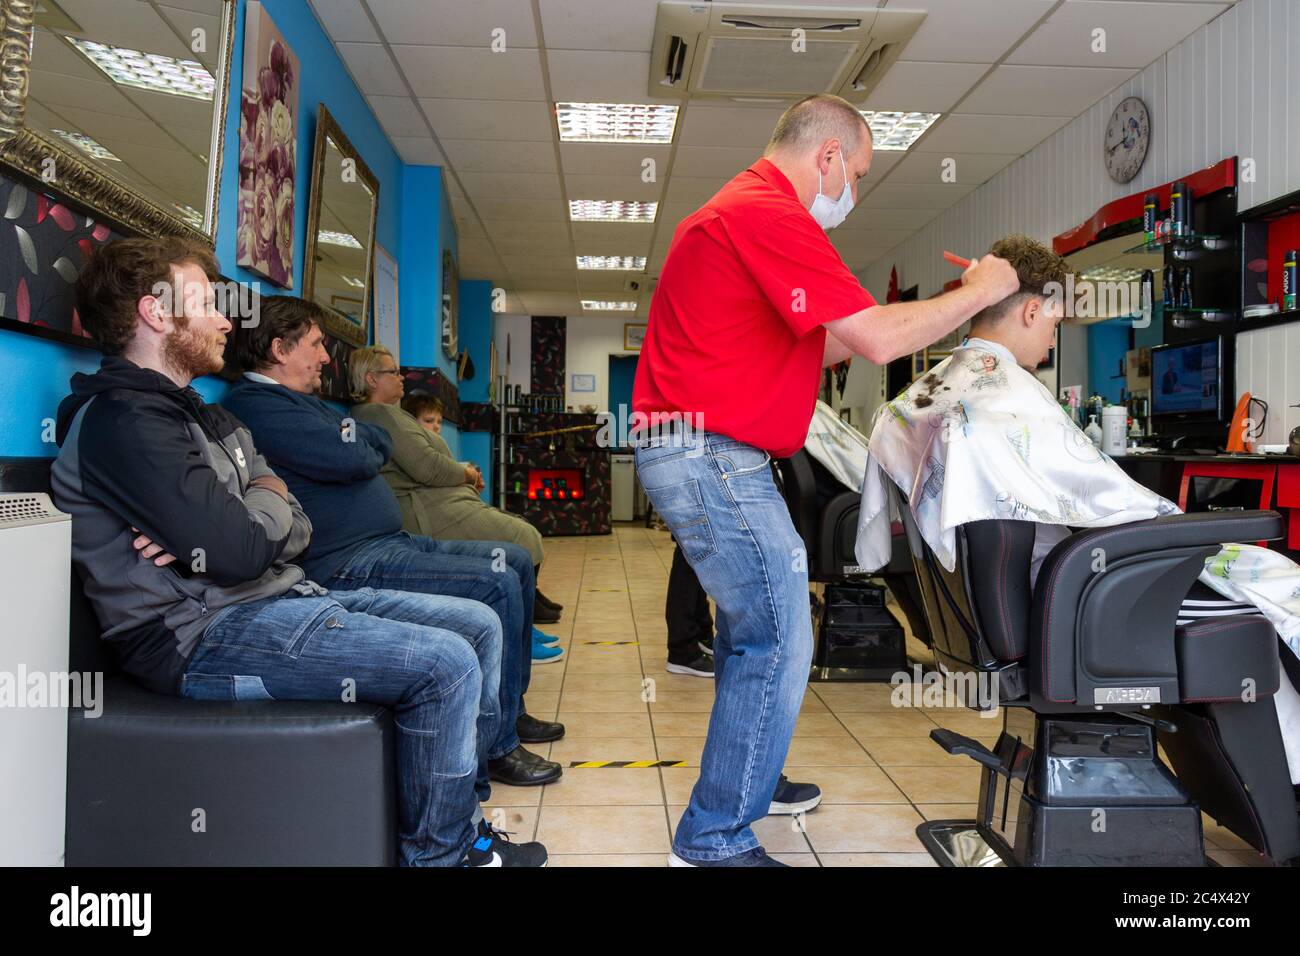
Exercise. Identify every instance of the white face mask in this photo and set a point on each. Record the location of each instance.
(830, 213)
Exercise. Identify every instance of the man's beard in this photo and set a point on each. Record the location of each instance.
(189, 352)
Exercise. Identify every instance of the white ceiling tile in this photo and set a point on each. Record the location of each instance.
(890, 195)
(538, 263)
(527, 247)
(399, 116)
(613, 159)
(985, 133)
(882, 161)
(593, 76)
(373, 69)
(471, 72)
(713, 162)
(967, 31)
(970, 168)
(345, 20)
(556, 232)
(493, 156)
(707, 124)
(135, 26)
(473, 246)
(587, 25)
(672, 213)
(924, 87)
(612, 187)
(418, 150)
(1043, 90)
(551, 210)
(1137, 33)
(488, 119)
(633, 238)
(510, 185)
(469, 227)
(550, 303)
(688, 189)
(446, 23)
(866, 219)
(604, 283)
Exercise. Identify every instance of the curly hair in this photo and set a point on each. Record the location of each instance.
(120, 274)
(1038, 267)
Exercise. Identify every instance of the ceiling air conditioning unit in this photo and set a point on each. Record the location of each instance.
(770, 52)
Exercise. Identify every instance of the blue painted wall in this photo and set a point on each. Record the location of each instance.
(34, 372)
(475, 334)
(1107, 344)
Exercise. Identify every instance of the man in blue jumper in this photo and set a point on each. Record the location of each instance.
(331, 464)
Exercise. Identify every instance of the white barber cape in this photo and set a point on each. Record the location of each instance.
(979, 438)
(837, 445)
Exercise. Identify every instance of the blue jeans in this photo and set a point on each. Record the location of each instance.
(719, 499)
(497, 573)
(416, 653)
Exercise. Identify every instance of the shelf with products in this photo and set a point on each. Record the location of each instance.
(1268, 232)
(1185, 243)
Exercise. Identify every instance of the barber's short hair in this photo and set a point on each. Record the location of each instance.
(817, 118)
(417, 405)
(360, 364)
(120, 274)
(1038, 268)
(283, 317)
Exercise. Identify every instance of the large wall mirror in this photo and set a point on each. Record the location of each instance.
(340, 233)
(118, 106)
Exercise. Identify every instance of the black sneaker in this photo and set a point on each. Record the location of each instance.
(540, 598)
(545, 615)
(493, 848)
(700, 666)
(791, 798)
(755, 857)
(706, 646)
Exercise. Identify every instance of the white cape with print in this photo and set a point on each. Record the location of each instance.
(980, 438)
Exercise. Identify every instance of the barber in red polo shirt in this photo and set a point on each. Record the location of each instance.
(752, 303)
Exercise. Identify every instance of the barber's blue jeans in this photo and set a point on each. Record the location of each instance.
(417, 653)
(497, 573)
(718, 498)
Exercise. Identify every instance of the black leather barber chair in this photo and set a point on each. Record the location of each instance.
(1094, 678)
(156, 780)
(857, 637)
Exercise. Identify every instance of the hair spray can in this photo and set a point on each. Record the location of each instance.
(1150, 211)
(1288, 280)
(1169, 294)
(1180, 209)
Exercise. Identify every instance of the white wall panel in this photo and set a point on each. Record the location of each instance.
(1232, 88)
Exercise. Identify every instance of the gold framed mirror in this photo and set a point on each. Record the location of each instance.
(119, 107)
(341, 217)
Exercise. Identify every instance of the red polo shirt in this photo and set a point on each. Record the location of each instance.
(735, 332)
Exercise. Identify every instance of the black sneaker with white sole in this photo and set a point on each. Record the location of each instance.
(707, 646)
(791, 798)
(755, 857)
(493, 848)
(699, 666)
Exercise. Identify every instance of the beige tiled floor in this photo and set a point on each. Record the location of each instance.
(879, 773)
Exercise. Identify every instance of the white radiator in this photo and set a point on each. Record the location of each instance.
(35, 569)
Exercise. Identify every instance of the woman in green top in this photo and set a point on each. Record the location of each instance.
(438, 495)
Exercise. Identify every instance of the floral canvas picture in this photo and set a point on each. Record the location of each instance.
(268, 132)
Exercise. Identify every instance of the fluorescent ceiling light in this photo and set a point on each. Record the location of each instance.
(616, 122)
(897, 131)
(630, 263)
(355, 283)
(85, 144)
(609, 305)
(338, 238)
(611, 210)
(149, 71)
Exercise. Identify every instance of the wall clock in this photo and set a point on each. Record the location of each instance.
(1127, 137)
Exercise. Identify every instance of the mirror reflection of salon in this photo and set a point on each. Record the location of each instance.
(117, 84)
(342, 261)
